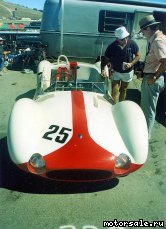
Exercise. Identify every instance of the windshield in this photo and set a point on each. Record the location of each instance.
(74, 85)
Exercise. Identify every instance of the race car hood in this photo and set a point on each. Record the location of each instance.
(72, 129)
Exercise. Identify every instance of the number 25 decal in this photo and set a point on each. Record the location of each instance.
(62, 133)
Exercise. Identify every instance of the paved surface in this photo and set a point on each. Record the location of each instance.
(30, 202)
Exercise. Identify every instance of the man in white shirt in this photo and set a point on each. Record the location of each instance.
(154, 70)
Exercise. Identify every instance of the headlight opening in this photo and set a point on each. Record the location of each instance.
(123, 161)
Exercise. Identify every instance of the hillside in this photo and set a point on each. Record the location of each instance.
(20, 12)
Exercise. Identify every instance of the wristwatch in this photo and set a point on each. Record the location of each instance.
(155, 77)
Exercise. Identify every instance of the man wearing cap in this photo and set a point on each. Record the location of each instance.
(1, 55)
(123, 54)
(154, 70)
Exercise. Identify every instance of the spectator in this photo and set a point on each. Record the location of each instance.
(154, 70)
(123, 54)
(1, 55)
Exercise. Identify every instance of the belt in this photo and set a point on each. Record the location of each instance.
(149, 73)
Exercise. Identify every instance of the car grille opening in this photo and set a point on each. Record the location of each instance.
(79, 175)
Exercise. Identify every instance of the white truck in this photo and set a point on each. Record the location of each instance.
(82, 29)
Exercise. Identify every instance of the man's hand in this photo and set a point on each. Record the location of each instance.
(128, 65)
(103, 73)
(151, 80)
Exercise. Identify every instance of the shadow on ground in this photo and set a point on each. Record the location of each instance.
(15, 179)
(134, 95)
(29, 94)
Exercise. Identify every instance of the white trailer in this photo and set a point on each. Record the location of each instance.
(82, 29)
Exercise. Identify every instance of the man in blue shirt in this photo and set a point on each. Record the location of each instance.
(123, 54)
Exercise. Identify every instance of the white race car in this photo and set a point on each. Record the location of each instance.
(72, 130)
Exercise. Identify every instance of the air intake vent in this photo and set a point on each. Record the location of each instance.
(79, 175)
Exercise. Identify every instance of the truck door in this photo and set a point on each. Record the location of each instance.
(138, 37)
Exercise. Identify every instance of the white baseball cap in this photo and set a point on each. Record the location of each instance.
(121, 32)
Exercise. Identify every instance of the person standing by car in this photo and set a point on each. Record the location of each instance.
(1, 55)
(123, 54)
(154, 70)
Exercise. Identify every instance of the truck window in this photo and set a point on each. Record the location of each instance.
(111, 20)
(161, 16)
